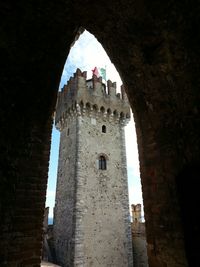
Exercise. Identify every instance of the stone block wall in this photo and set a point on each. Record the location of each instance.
(64, 211)
(103, 236)
(23, 194)
(140, 258)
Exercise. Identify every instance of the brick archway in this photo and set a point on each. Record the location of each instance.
(155, 49)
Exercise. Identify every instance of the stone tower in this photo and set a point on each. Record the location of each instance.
(91, 215)
(136, 213)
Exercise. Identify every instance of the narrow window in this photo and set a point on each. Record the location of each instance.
(68, 131)
(103, 129)
(102, 163)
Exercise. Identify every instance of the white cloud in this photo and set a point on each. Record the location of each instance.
(135, 195)
(86, 54)
(50, 201)
(50, 193)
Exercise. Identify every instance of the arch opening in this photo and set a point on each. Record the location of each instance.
(102, 161)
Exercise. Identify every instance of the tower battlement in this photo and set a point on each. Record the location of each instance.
(80, 95)
(136, 212)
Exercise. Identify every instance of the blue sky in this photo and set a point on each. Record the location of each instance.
(86, 54)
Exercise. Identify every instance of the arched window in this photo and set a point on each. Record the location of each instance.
(102, 109)
(109, 112)
(88, 106)
(95, 108)
(103, 129)
(115, 113)
(102, 163)
(81, 105)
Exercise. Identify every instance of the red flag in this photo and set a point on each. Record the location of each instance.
(95, 72)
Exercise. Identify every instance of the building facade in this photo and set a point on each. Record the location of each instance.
(91, 215)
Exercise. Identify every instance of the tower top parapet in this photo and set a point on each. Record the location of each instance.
(136, 212)
(80, 95)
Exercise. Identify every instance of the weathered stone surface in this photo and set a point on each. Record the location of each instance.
(91, 225)
(48, 264)
(140, 258)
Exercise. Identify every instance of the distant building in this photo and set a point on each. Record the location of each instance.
(47, 247)
(136, 213)
(140, 258)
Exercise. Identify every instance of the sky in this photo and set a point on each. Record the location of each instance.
(86, 54)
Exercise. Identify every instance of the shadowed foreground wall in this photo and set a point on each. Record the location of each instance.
(155, 48)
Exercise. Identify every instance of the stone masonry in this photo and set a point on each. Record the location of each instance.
(91, 218)
(140, 258)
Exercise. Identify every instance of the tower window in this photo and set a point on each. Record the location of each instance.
(102, 163)
(103, 129)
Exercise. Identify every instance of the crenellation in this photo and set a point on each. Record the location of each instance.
(123, 93)
(78, 73)
(91, 94)
(98, 88)
(111, 88)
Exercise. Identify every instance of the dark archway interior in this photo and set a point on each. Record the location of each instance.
(155, 48)
(188, 191)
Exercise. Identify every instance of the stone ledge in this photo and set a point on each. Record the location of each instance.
(48, 264)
